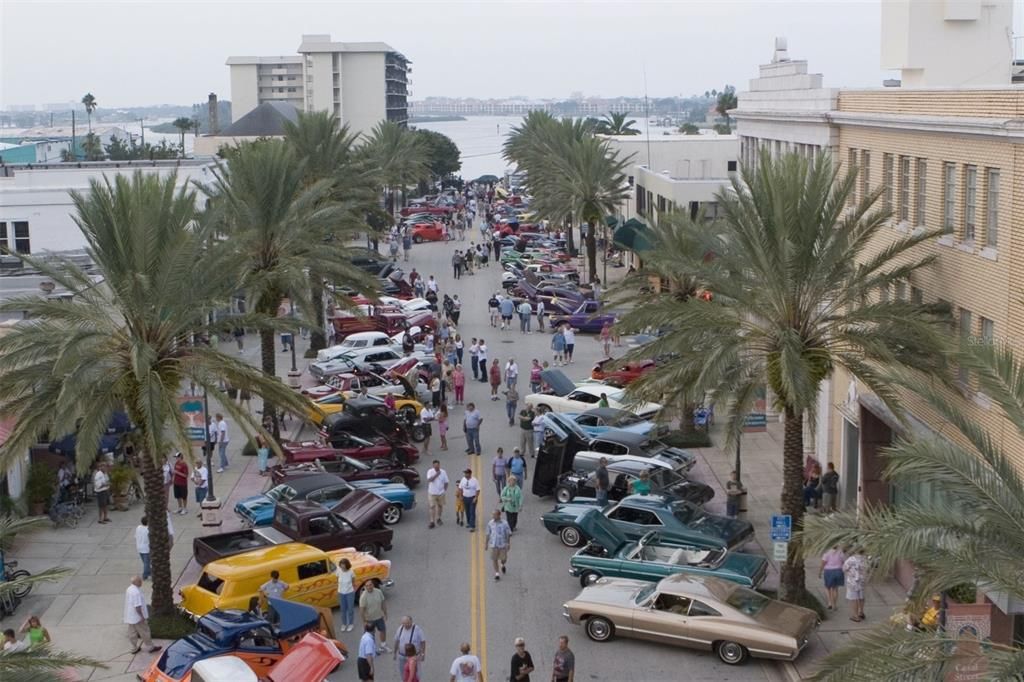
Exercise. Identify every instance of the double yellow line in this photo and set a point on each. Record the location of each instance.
(478, 573)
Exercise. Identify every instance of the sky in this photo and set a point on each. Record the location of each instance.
(145, 53)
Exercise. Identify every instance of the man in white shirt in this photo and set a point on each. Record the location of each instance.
(142, 545)
(511, 373)
(101, 487)
(470, 488)
(201, 480)
(466, 668)
(222, 442)
(437, 488)
(136, 617)
(570, 342)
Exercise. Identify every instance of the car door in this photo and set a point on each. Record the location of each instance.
(316, 585)
(704, 625)
(635, 522)
(662, 618)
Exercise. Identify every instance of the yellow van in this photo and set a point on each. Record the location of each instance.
(231, 583)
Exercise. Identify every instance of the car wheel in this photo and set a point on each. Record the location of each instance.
(397, 479)
(564, 494)
(418, 239)
(731, 653)
(588, 578)
(393, 514)
(599, 629)
(371, 548)
(570, 536)
(408, 413)
(418, 433)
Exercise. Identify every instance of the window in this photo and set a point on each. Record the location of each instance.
(988, 331)
(966, 327)
(970, 201)
(901, 291)
(865, 173)
(916, 296)
(883, 293)
(21, 240)
(662, 204)
(312, 569)
(210, 583)
(672, 603)
(887, 182)
(641, 203)
(903, 212)
(640, 517)
(922, 192)
(3, 236)
(992, 208)
(701, 609)
(851, 165)
(608, 448)
(949, 198)
(731, 166)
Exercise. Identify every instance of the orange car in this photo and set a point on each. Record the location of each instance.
(428, 232)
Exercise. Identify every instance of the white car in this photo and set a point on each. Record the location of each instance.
(569, 397)
(353, 341)
(373, 358)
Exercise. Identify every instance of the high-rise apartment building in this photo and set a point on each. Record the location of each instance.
(361, 83)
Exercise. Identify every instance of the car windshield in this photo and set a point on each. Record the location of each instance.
(211, 583)
(618, 396)
(746, 601)
(645, 592)
(282, 493)
(664, 478)
(356, 464)
(687, 513)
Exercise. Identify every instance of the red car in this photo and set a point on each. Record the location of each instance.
(428, 232)
(350, 446)
(433, 210)
(608, 372)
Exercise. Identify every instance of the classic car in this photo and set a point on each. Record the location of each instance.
(599, 420)
(428, 232)
(325, 489)
(677, 522)
(373, 358)
(257, 640)
(615, 373)
(347, 445)
(566, 396)
(349, 468)
(609, 553)
(698, 613)
(406, 405)
(578, 485)
(232, 582)
(370, 419)
(425, 208)
(313, 658)
(588, 317)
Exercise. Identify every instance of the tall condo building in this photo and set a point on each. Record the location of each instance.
(361, 83)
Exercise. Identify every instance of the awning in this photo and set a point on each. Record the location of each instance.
(633, 235)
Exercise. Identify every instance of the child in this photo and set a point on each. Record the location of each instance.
(442, 425)
(460, 507)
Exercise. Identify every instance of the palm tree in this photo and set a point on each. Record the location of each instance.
(92, 147)
(400, 157)
(615, 123)
(969, 530)
(126, 342)
(726, 103)
(183, 124)
(276, 225)
(328, 151)
(90, 106)
(793, 284)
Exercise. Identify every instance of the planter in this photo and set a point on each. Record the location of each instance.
(38, 508)
(120, 502)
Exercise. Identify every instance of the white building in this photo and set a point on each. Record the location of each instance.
(361, 83)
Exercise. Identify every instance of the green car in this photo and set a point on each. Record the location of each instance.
(610, 554)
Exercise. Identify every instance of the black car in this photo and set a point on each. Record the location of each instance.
(369, 418)
(621, 475)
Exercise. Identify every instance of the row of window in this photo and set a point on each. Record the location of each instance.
(14, 237)
(751, 147)
(970, 194)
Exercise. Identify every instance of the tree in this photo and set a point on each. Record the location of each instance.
(90, 106)
(615, 123)
(970, 529)
(442, 154)
(400, 157)
(183, 124)
(721, 129)
(689, 129)
(127, 342)
(794, 296)
(117, 150)
(726, 103)
(92, 147)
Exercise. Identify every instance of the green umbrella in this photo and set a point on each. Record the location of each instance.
(633, 235)
(487, 179)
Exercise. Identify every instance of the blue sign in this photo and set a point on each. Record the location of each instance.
(192, 416)
(782, 527)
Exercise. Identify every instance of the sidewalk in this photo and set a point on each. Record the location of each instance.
(761, 462)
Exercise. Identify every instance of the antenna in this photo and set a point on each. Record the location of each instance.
(647, 120)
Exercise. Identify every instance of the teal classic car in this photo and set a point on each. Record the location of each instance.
(610, 553)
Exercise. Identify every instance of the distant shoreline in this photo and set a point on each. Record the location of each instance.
(435, 119)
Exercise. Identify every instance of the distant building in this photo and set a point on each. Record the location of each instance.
(266, 120)
(46, 144)
(361, 83)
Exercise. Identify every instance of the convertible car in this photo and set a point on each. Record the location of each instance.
(588, 317)
(566, 396)
(600, 419)
(349, 468)
(574, 485)
(610, 554)
(260, 641)
(733, 621)
(676, 521)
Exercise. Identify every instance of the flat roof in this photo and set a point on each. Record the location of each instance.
(289, 59)
(328, 46)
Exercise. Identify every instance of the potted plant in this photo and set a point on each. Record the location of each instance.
(121, 478)
(40, 487)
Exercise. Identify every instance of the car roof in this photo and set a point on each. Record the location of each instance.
(308, 484)
(359, 336)
(631, 466)
(695, 586)
(648, 501)
(262, 560)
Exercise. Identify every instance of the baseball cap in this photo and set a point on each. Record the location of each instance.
(177, 454)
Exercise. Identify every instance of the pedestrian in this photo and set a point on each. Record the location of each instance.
(512, 498)
(179, 480)
(11, 643)
(470, 488)
(493, 304)
(435, 391)
(432, 284)
(431, 298)
(507, 307)
(427, 416)
(812, 487)
(522, 662)
(526, 417)
(535, 380)
(410, 643)
(569, 334)
(603, 401)
(733, 490)
(442, 425)
(367, 654)
(511, 404)
(460, 507)
(374, 611)
(466, 668)
(538, 431)
(855, 575)
(460, 347)
(499, 470)
(499, 541)
(457, 264)
(482, 361)
(346, 594)
(558, 346)
(471, 421)
(563, 667)
(201, 482)
(831, 570)
(495, 378)
(413, 276)
(136, 617)
(37, 634)
(406, 245)
(222, 442)
(474, 357)
(541, 312)
(517, 466)
(459, 383)
(606, 339)
(142, 545)
(101, 487)
(273, 588)
(829, 488)
(437, 489)
(245, 399)
(409, 669)
(601, 482)
(239, 335)
(467, 257)
(456, 309)
(393, 248)
(511, 373)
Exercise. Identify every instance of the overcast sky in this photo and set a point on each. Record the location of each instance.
(135, 53)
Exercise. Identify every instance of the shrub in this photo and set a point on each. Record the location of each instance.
(121, 478)
(42, 483)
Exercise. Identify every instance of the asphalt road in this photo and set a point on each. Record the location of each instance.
(443, 577)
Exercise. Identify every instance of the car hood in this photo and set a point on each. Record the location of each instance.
(612, 591)
(256, 506)
(380, 486)
(600, 530)
(572, 510)
(748, 565)
(558, 381)
(731, 531)
(361, 507)
(182, 654)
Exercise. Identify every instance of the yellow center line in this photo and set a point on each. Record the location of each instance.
(482, 651)
(478, 575)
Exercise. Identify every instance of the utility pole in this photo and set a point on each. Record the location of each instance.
(74, 153)
(143, 129)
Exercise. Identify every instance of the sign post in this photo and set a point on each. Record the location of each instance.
(782, 533)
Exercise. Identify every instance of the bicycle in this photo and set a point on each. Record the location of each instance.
(10, 574)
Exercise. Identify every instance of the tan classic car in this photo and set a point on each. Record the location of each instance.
(699, 613)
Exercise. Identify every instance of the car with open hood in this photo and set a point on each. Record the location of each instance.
(676, 521)
(331, 461)
(566, 396)
(609, 553)
(617, 373)
(579, 485)
(598, 420)
(733, 621)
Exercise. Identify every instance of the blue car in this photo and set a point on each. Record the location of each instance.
(599, 420)
(326, 489)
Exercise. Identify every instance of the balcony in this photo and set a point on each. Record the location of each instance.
(1017, 68)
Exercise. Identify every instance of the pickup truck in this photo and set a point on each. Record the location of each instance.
(390, 320)
(356, 522)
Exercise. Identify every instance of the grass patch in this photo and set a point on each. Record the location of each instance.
(309, 354)
(808, 601)
(695, 439)
(173, 626)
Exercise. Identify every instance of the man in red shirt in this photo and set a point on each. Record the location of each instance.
(180, 483)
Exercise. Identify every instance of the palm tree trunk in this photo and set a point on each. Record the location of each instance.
(159, 540)
(570, 241)
(592, 251)
(268, 361)
(792, 587)
(317, 335)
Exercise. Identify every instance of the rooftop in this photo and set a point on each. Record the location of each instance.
(322, 43)
(58, 131)
(289, 59)
(266, 120)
